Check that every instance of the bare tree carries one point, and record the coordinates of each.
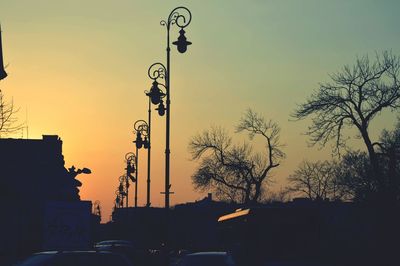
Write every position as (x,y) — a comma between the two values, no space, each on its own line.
(354,97)
(236,172)
(8,118)
(316,180)
(388,154)
(354,177)
(282,195)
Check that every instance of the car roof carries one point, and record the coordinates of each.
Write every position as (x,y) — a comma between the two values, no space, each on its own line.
(54,252)
(114,242)
(209,253)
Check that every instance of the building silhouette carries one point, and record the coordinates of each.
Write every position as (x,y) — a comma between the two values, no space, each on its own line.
(32,174)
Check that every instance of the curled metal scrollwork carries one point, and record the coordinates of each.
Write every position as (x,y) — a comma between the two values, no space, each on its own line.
(142,127)
(122,187)
(157,71)
(122,178)
(130,157)
(181,16)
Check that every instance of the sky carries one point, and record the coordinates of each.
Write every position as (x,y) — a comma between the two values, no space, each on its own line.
(78,69)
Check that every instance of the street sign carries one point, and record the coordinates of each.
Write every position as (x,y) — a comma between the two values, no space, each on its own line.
(67,225)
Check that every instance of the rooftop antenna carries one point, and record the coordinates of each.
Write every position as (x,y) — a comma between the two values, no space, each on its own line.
(26,121)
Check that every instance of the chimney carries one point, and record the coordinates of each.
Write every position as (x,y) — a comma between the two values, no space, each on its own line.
(209,196)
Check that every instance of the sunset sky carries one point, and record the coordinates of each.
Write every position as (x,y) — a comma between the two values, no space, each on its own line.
(78,69)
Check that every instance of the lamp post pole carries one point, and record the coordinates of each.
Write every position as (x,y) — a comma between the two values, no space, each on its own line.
(176,17)
(148,203)
(141,129)
(136,173)
(181,17)
(119,200)
(127,186)
(131,167)
(122,191)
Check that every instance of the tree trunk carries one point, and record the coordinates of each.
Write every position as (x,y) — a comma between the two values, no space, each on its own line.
(373,158)
(247,195)
(257,193)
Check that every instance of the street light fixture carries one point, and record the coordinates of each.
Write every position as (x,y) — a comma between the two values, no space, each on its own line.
(122,192)
(182,43)
(156,95)
(157,72)
(130,160)
(181,17)
(142,129)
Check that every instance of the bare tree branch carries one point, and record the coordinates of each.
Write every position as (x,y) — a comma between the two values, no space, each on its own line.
(316,180)
(354,97)
(232,170)
(7,117)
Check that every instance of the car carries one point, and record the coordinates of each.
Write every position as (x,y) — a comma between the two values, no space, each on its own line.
(216,258)
(122,246)
(128,248)
(293,263)
(76,258)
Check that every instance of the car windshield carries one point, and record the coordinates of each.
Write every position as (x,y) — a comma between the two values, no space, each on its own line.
(39,259)
(76,259)
(114,243)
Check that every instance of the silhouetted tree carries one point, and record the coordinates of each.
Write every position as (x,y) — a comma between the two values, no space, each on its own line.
(389,154)
(352,99)
(236,172)
(7,117)
(316,180)
(354,176)
(281,195)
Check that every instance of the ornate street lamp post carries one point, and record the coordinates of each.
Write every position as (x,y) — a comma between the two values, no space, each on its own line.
(130,160)
(142,141)
(156,71)
(181,17)
(121,192)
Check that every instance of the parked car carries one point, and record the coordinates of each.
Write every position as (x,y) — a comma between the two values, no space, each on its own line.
(294,263)
(115,245)
(207,259)
(76,258)
(126,247)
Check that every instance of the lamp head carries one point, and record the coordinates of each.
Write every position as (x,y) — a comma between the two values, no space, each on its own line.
(130,168)
(139,141)
(155,93)
(182,43)
(161,109)
(146,143)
